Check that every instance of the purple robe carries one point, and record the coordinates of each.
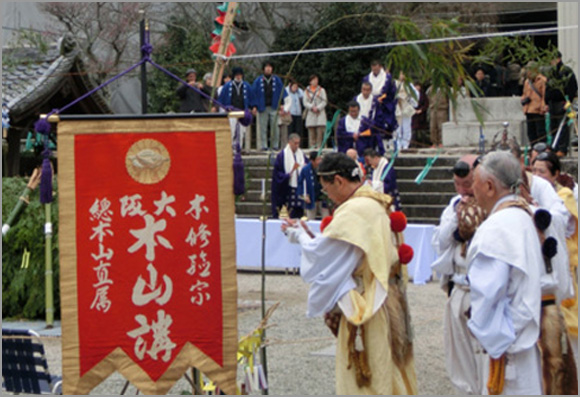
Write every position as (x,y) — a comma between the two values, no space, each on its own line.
(344,139)
(282,193)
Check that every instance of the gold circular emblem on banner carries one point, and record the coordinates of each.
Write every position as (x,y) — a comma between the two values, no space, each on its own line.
(147,161)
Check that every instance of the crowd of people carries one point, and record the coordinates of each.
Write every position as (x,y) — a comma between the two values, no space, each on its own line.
(419,111)
(507,247)
(507,243)
(281,111)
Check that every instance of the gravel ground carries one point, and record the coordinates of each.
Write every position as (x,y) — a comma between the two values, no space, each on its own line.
(300,361)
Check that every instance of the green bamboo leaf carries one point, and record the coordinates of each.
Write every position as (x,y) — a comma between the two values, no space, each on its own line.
(473,89)
(418,51)
(479,110)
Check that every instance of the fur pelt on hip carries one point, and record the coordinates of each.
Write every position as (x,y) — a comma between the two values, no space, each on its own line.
(400,325)
(558,363)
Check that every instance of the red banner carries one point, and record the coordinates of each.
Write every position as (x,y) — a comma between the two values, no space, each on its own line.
(148,248)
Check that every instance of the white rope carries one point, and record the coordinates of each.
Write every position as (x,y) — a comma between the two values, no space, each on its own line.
(403,43)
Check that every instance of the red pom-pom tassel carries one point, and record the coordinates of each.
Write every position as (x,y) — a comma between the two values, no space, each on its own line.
(398,221)
(324,223)
(405,254)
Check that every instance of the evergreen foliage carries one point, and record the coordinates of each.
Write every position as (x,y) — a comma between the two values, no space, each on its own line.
(23,289)
(179,51)
(340,72)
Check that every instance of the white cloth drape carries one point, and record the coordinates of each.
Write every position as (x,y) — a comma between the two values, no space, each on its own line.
(290,158)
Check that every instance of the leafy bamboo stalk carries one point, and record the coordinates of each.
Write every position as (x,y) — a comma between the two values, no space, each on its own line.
(23,201)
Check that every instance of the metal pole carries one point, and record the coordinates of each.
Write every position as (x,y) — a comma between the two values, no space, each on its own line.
(144,29)
(263,356)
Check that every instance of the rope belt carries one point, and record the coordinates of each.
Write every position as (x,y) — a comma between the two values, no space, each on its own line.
(548,299)
(496,380)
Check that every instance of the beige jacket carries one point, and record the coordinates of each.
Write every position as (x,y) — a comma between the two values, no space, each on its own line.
(537,104)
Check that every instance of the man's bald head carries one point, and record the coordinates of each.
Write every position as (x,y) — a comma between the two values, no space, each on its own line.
(463,175)
(352,153)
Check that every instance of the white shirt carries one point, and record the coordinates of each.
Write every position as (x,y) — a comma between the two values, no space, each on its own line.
(365,104)
(504,273)
(351,125)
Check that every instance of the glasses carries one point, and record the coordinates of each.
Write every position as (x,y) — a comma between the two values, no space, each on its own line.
(461,169)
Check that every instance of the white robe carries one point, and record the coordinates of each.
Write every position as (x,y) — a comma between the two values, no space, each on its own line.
(290,158)
(376,183)
(327,266)
(365,104)
(504,273)
(465,360)
(546,196)
(352,125)
(378,81)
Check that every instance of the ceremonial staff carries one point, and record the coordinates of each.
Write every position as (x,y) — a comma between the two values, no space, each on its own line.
(264,218)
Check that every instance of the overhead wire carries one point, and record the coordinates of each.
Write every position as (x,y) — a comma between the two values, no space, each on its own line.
(401,43)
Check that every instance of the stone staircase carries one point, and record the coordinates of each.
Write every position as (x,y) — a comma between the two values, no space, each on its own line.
(422,203)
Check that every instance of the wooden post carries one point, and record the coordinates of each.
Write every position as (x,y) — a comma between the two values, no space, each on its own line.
(220,63)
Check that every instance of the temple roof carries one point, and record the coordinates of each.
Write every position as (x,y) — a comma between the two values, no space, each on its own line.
(31,79)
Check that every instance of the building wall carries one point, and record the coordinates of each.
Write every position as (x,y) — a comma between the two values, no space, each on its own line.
(568,39)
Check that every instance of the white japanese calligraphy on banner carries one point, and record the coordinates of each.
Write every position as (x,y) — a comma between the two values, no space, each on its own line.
(157,290)
(147,245)
(199,265)
(101,213)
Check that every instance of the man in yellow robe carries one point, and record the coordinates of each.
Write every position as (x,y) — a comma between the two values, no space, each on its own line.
(354,272)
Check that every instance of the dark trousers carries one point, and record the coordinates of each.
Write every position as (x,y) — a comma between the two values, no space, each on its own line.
(536,128)
(297,125)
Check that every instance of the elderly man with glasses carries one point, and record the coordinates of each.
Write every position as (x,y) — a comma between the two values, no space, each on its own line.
(465,359)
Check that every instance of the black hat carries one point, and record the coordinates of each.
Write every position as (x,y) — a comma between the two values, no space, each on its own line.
(237,71)
(189,71)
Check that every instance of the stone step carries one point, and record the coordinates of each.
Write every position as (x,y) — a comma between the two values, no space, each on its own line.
(410,186)
(424,220)
(426,198)
(255,184)
(403,172)
(422,211)
(403,160)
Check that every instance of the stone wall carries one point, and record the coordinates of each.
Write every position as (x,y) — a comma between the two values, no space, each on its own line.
(463,129)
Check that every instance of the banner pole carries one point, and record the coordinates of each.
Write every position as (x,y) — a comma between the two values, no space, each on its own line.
(263,355)
(48,267)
